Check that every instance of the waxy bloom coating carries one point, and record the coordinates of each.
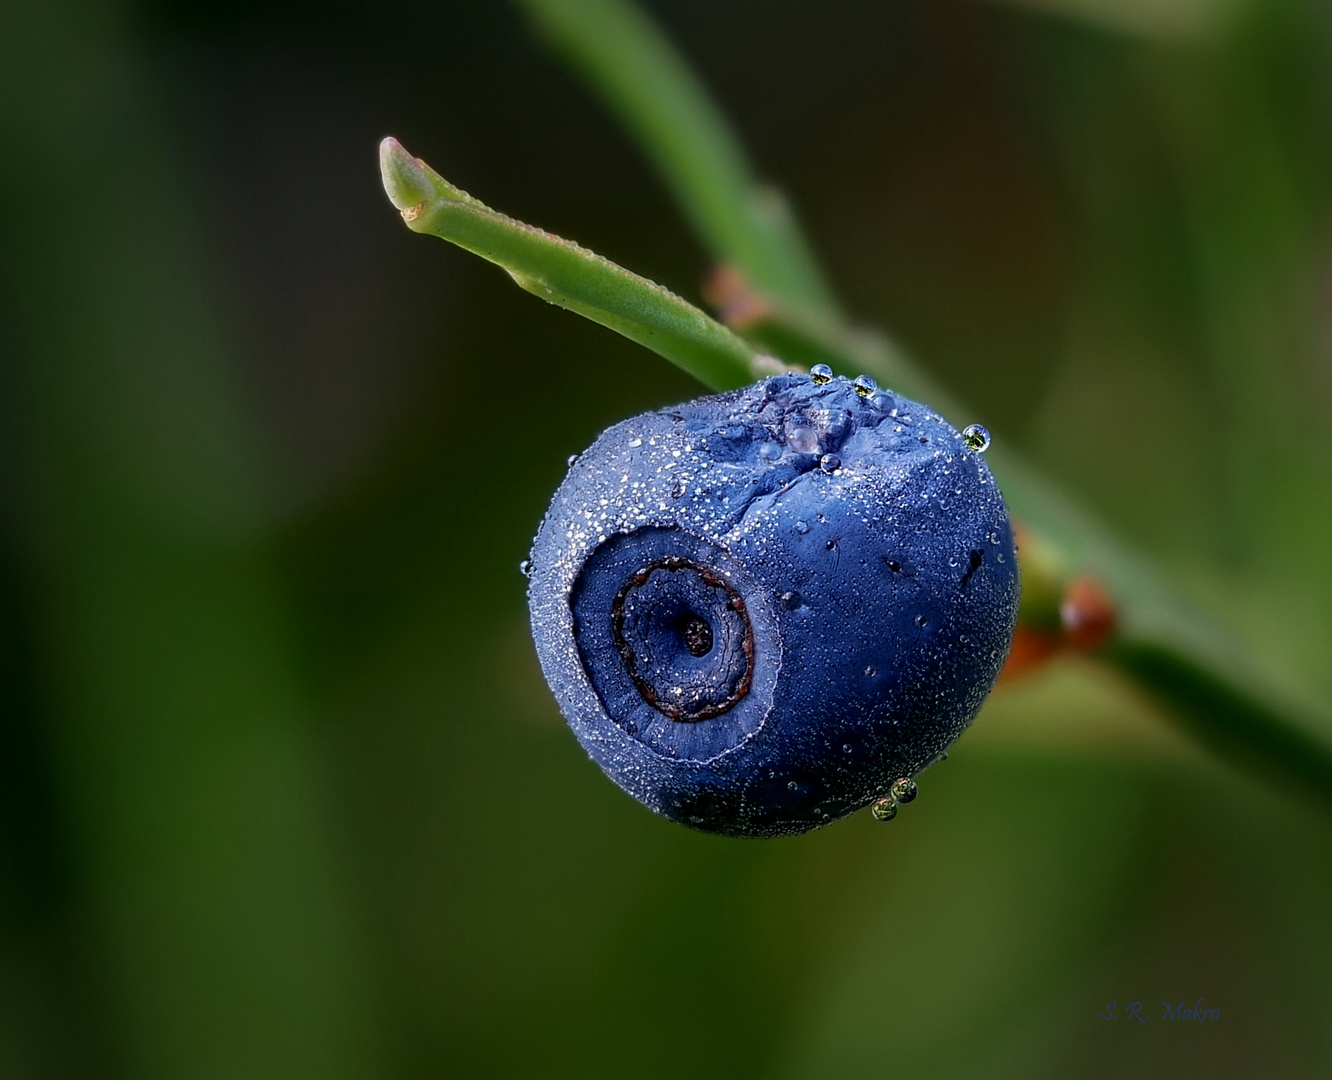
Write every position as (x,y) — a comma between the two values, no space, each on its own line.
(759,609)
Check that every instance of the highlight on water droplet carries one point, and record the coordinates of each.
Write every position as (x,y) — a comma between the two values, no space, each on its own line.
(904,790)
(830,463)
(525,568)
(820,373)
(572,459)
(803,440)
(865,386)
(976,438)
(884,809)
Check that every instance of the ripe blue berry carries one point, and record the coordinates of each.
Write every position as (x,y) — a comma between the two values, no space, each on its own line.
(763,610)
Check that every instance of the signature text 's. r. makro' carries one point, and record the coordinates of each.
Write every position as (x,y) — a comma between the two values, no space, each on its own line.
(1198,1013)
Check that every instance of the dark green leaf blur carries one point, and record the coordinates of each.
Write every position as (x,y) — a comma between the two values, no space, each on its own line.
(282,792)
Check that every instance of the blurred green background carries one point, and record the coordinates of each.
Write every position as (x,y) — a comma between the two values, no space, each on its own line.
(281,790)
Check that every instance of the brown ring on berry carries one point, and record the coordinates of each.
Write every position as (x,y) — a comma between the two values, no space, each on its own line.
(733,601)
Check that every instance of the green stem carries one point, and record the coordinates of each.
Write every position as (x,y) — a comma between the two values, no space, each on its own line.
(660,101)
(570,276)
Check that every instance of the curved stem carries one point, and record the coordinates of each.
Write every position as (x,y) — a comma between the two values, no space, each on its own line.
(569,276)
(660,101)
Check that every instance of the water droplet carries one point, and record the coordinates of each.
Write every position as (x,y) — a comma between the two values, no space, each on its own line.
(803,440)
(769,452)
(884,810)
(921,620)
(802,527)
(635,442)
(869,671)
(790,600)
(791,785)
(865,386)
(846,748)
(830,463)
(904,790)
(975,437)
(820,373)
(525,568)
(572,459)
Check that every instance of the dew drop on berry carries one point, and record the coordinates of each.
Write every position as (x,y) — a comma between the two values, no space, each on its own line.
(821,374)
(830,463)
(525,568)
(865,386)
(975,437)
(904,790)
(803,440)
(884,810)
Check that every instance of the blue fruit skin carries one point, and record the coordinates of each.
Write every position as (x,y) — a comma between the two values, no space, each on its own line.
(880,599)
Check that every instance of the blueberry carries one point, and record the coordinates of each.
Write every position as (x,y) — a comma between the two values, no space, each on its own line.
(752,642)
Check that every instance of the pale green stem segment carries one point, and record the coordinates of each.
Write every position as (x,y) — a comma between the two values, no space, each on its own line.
(570,276)
(662,104)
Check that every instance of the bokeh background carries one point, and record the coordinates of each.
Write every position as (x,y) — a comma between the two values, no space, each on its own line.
(281,790)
